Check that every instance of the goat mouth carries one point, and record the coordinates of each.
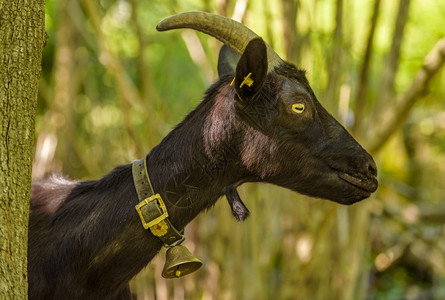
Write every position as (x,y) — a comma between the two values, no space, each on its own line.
(368,185)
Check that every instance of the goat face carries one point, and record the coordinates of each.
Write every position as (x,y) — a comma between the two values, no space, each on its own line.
(289,139)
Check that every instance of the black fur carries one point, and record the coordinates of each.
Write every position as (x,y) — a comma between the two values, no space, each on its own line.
(239,210)
(85,238)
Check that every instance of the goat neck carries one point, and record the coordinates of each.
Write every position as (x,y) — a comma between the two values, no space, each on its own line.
(192,167)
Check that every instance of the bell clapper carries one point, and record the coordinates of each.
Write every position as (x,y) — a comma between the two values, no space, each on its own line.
(178,273)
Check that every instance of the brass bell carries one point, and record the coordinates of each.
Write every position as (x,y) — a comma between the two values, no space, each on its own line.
(179,262)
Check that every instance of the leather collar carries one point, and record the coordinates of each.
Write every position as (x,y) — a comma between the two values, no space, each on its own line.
(151,207)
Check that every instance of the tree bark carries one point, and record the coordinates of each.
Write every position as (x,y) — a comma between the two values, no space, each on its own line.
(22,38)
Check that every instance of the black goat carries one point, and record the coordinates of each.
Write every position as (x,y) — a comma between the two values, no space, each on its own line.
(85,238)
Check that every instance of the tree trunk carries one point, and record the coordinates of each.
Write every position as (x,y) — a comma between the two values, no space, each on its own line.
(22,37)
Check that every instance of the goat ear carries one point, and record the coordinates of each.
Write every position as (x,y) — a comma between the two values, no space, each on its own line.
(251,70)
(239,210)
(227,61)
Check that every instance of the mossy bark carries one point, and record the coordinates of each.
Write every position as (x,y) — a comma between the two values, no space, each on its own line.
(22,38)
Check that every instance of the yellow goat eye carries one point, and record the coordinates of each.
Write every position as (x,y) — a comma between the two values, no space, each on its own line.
(298,108)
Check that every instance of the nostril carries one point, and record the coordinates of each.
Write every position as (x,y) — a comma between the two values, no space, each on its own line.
(372,168)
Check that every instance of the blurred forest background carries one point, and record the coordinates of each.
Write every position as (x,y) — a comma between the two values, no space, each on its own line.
(113,87)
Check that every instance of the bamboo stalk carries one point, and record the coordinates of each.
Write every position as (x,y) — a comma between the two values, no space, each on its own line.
(392,60)
(361,98)
(291,36)
(335,62)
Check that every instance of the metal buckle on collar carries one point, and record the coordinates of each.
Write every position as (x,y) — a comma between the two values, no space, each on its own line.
(147,223)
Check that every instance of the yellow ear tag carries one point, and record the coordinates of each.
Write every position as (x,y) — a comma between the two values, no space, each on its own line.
(233,81)
(247,81)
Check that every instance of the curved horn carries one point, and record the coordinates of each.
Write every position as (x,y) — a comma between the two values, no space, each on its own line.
(230,32)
